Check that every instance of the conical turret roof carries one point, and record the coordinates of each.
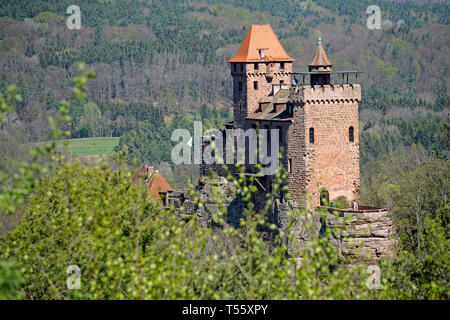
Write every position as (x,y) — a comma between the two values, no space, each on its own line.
(320,58)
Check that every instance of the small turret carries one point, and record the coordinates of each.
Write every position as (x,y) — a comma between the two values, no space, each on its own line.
(320,66)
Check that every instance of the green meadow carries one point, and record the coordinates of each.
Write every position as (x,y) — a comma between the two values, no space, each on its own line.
(89,146)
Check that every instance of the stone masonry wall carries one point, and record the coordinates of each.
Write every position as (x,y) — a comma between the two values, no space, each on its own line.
(245,101)
(266,75)
(296,153)
(332,161)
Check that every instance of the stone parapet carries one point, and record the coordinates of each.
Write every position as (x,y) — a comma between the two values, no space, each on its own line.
(326,93)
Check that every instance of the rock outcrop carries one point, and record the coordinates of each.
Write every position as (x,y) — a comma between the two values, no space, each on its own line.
(365,234)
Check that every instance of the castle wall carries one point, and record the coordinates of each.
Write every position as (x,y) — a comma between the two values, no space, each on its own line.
(296,153)
(239,97)
(332,161)
(266,75)
(246,101)
(331,111)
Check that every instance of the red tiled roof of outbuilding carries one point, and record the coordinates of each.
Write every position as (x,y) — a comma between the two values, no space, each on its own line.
(154,181)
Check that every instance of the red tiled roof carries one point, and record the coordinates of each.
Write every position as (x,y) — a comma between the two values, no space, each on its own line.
(154,181)
(261,37)
(320,58)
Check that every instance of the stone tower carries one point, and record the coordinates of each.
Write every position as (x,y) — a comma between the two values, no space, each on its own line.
(260,63)
(323,142)
(317,120)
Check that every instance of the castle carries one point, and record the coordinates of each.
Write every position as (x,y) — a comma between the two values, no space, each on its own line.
(317,120)
(317,125)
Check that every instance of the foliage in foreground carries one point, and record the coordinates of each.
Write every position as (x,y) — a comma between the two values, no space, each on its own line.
(127,246)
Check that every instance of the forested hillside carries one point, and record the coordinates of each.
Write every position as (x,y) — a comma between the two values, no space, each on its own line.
(152,66)
(161,61)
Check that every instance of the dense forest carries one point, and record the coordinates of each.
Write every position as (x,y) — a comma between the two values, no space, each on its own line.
(162,64)
(170,57)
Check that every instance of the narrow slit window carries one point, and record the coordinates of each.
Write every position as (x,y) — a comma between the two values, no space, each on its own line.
(290,165)
(311,135)
(240,85)
(351,134)
(282,65)
(256,66)
(255,85)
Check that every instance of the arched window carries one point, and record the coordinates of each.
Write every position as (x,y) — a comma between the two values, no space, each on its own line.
(311,135)
(351,134)
(324,198)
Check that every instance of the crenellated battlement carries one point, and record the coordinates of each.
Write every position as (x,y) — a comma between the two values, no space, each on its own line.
(326,93)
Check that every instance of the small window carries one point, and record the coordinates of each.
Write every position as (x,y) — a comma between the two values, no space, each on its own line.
(351,134)
(234,67)
(256,66)
(255,85)
(242,67)
(261,54)
(281,81)
(311,135)
(240,86)
(290,165)
(282,65)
